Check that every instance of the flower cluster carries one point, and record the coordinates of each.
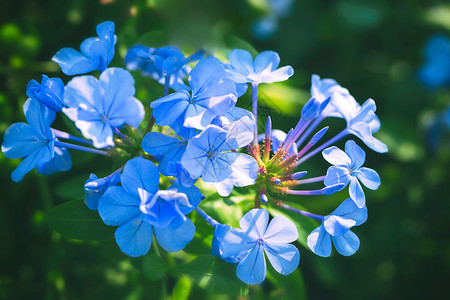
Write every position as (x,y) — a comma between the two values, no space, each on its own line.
(196,135)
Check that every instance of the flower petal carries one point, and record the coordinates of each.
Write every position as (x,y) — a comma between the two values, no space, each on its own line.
(356,192)
(355,153)
(134,237)
(266,60)
(369,178)
(254,223)
(336,225)
(73,62)
(346,244)
(117,207)
(140,173)
(348,209)
(319,241)
(336,174)
(173,240)
(280,230)
(252,269)
(241,61)
(284,258)
(337,157)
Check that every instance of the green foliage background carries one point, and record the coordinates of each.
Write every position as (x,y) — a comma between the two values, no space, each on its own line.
(373,48)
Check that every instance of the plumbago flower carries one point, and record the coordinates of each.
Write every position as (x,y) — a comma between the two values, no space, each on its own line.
(212,95)
(139,209)
(246,246)
(99,107)
(96,52)
(209,155)
(348,169)
(35,141)
(200,137)
(242,68)
(336,227)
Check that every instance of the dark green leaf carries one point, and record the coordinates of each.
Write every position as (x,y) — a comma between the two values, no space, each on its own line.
(74,220)
(291,286)
(214,275)
(154,267)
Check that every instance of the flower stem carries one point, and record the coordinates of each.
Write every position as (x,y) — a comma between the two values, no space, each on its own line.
(313,126)
(333,140)
(66,136)
(255,111)
(310,180)
(120,134)
(302,212)
(166,85)
(207,218)
(79,148)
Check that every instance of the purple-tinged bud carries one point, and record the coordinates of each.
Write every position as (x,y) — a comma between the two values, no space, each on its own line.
(332,189)
(318,136)
(314,140)
(264,198)
(268,129)
(313,108)
(298,175)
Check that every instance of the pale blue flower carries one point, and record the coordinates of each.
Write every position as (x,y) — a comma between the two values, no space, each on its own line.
(242,68)
(139,209)
(247,246)
(97,106)
(348,169)
(212,95)
(209,156)
(336,227)
(96,52)
(33,141)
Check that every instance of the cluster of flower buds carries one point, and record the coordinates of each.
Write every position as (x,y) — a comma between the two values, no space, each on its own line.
(197,135)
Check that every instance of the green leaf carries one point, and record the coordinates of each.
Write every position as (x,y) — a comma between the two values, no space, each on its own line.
(182,289)
(283,98)
(154,267)
(304,224)
(214,275)
(75,221)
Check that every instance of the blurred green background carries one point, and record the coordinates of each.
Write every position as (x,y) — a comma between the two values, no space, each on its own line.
(373,48)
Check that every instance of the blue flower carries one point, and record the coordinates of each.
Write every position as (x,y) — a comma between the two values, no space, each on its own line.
(242,68)
(336,227)
(209,156)
(364,123)
(212,95)
(35,141)
(95,187)
(49,92)
(161,62)
(436,71)
(248,245)
(169,148)
(96,52)
(139,208)
(97,106)
(348,169)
